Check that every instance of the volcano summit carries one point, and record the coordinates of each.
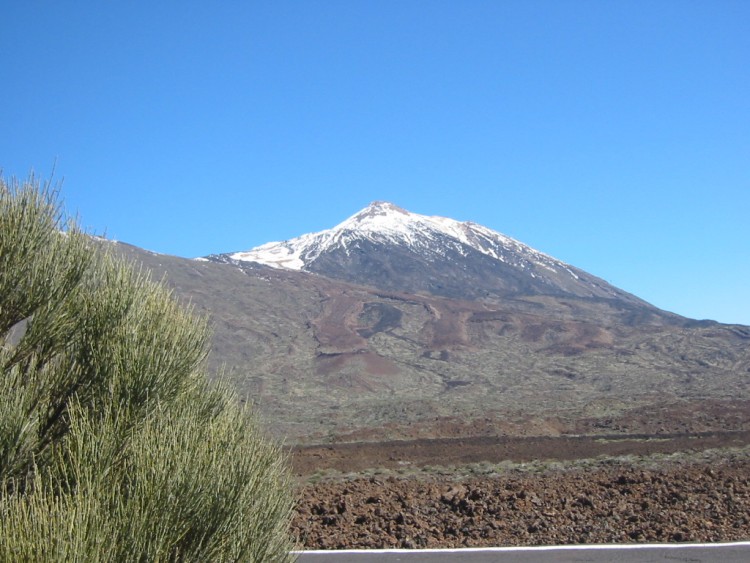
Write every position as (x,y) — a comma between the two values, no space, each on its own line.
(390,248)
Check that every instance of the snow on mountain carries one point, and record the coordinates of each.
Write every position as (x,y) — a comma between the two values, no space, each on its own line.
(385,223)
(387,247)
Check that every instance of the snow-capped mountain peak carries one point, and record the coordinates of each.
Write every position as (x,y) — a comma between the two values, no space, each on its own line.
(389,247)
(383,222)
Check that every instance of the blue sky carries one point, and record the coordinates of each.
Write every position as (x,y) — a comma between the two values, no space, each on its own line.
(612,135)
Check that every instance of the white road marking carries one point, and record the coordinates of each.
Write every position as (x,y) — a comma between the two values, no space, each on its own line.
(529,548)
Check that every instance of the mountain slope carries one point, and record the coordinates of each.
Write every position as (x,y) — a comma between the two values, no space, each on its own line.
(420,330)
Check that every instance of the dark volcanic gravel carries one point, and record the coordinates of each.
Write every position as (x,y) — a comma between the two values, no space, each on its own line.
(685,502)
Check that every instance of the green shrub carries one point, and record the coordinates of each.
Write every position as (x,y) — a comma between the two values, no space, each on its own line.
(113,445)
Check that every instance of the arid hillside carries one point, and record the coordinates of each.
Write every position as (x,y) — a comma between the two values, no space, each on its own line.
(330,361)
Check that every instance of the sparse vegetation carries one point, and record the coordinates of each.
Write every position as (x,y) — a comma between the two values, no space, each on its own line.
(426,473)
(113,445)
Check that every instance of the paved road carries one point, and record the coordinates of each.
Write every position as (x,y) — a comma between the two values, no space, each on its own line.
(693,553)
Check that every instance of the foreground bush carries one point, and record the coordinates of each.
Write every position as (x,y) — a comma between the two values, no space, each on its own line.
(113,445)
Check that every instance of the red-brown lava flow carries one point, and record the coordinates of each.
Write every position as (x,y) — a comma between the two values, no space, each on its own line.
(693,496)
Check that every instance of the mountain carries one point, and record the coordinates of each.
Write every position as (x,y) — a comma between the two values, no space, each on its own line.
(390,248)
(394,325)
